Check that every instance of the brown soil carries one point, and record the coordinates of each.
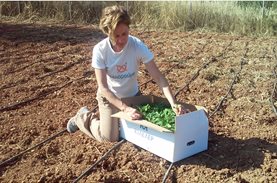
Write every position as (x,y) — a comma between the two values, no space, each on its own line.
(46,77)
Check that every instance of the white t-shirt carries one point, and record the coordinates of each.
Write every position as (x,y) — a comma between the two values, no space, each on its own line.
(122,67)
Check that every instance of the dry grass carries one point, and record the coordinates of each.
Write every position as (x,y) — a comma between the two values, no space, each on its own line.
(214,16)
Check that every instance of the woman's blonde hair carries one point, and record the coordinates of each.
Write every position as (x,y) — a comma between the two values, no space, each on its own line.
(111,17)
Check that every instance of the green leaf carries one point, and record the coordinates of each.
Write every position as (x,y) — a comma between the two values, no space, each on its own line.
(159,114)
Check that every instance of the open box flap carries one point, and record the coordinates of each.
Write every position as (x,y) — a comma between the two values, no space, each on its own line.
(143,99)
(198,107)
(122,115)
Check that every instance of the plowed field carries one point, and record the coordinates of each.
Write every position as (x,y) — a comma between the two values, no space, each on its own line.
(46,76)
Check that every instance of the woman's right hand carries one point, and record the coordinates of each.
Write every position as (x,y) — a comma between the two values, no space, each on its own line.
(133,113)
(179,109)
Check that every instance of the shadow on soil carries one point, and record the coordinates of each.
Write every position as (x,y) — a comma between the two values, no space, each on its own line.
(234,154)
(28,33)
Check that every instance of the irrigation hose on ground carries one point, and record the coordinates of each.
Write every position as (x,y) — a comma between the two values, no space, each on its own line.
(29,149)
(86,172)
(167,172)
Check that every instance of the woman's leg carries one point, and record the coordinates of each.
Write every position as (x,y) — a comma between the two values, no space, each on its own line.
(105,129)
(84,119)
(108,126)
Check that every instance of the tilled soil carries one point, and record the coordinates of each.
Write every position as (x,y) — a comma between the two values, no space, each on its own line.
(46,76)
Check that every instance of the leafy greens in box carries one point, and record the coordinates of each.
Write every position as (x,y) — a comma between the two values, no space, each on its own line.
(159,114)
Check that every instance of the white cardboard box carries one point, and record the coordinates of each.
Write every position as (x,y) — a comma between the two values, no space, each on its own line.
(190,136)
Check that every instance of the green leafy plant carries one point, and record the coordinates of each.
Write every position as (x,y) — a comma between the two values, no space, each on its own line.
(159,114)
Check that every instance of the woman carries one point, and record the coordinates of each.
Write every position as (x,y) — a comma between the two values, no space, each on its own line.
(116,62)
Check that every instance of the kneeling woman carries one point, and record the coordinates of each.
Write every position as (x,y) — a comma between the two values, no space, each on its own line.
(116,61)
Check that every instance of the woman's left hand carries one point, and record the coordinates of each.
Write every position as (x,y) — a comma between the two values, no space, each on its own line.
(179,109)
(133,113)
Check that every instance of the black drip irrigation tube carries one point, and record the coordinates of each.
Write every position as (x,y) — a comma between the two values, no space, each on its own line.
(210,60)
(272,98)
(273,94)
(228,92)
(86,172)
(39,144)
(167,172)
(231,85)
(2,164)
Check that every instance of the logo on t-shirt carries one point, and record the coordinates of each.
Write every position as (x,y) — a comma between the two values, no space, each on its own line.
(121,68)
(120,75)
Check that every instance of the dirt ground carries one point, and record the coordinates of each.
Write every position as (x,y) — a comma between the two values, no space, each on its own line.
(46,76)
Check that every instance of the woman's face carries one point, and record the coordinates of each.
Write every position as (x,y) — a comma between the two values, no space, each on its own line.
(120,37)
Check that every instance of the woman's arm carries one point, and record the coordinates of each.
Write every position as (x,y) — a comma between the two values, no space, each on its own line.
(161,81)
(163,84)
(101,77)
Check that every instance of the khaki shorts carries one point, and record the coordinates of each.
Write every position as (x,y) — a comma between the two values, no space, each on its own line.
(104,129)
